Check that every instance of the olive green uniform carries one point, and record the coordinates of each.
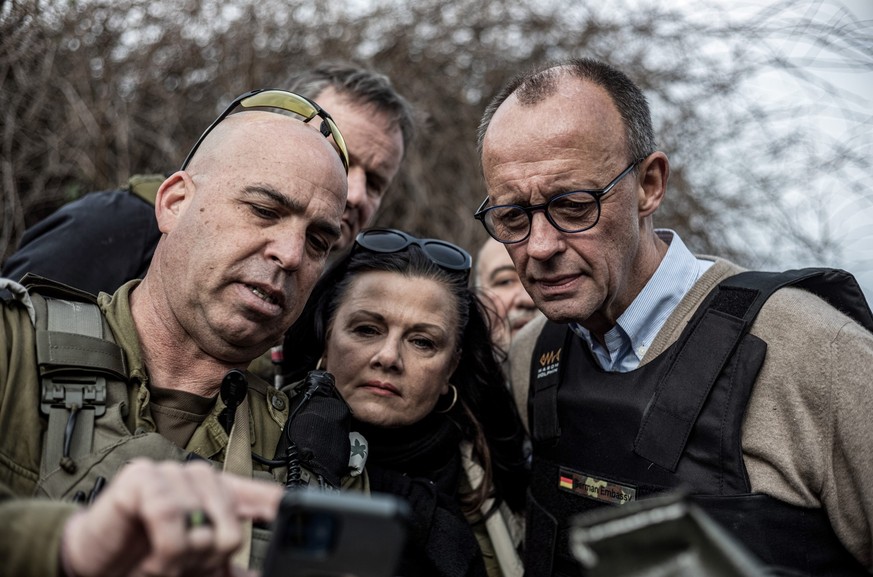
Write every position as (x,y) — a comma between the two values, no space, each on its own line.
(30,528)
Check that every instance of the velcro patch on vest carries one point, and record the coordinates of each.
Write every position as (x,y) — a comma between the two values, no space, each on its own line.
(549,363)
(585,485)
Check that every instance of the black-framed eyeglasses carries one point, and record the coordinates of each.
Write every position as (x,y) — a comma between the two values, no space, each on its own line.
(270,98)
(573,211)
(440,252)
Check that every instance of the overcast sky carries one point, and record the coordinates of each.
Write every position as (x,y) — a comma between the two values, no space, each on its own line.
(849,217)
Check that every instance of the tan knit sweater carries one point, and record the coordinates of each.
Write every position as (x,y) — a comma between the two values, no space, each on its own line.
(808,429)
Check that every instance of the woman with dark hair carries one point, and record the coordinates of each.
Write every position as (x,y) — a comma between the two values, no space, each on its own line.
(408,343)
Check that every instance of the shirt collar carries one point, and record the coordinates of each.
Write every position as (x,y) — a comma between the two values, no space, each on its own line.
(116,308)
(636,328)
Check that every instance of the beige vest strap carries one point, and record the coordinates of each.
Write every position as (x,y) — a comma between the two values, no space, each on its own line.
(239,462)
(496,524)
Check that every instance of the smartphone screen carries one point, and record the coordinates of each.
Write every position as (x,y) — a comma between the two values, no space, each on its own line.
(333,534)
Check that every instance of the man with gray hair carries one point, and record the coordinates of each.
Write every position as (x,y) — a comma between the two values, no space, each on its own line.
(378,125)
(508,305)
(660,370)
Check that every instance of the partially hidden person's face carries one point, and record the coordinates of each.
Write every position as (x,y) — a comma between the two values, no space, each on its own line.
(375,145)
(572,140)
(392,347)
(248,230)
(497,278)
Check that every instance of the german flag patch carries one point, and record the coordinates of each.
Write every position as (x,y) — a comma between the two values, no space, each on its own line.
(590,487)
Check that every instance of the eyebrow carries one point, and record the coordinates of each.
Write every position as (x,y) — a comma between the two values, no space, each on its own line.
(500,269)
(381,318)
(291,205)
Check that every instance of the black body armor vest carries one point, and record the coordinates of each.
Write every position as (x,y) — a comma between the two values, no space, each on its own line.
(605,438)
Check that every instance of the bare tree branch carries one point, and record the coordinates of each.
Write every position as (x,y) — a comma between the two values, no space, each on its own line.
(94,90)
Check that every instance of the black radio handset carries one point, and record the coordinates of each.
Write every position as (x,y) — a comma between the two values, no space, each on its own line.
(314,381)
(234,388)
(317,431)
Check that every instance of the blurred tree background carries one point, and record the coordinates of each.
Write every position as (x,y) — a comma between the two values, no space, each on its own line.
(770,146)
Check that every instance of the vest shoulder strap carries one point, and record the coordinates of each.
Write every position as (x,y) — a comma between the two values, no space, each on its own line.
(710,340)
(545,378)
(721,321)
(76,356)
(837,287)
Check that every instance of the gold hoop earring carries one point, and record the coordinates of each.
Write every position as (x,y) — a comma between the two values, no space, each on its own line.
(454,399)
(319,363)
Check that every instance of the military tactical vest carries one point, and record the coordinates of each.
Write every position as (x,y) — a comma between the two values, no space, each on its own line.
(604,438)
(86,398)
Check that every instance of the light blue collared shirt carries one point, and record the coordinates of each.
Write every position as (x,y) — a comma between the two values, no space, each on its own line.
(636,328)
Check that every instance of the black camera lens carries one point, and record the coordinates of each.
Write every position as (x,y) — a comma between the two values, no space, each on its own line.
(313,533)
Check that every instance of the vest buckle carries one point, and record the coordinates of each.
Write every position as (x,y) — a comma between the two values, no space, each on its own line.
(74,392)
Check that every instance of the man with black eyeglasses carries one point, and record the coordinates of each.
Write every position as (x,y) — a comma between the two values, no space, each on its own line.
(104,400)
(658,370)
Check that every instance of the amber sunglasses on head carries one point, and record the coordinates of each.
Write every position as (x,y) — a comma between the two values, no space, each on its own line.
(283,100)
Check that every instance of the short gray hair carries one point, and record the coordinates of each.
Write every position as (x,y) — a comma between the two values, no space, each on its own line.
(538,84)
(362,86)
